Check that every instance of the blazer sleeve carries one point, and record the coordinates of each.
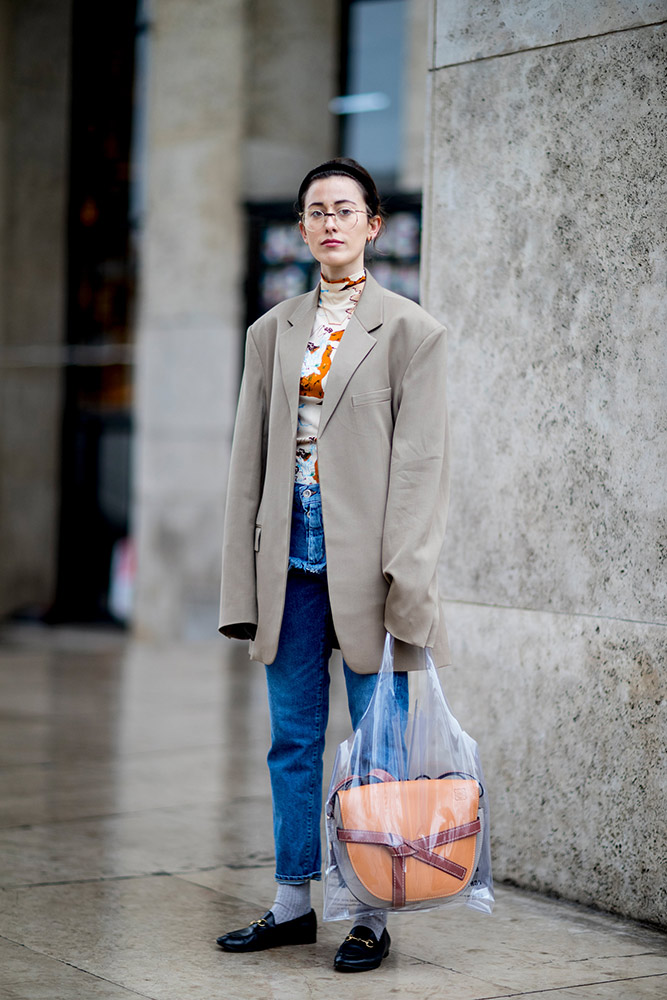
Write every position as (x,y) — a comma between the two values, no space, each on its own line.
(418,496)
(238,592)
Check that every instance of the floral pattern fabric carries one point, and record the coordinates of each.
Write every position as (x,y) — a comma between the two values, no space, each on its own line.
(337,302)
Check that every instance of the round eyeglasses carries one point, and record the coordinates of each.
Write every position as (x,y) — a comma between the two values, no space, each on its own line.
(345,218)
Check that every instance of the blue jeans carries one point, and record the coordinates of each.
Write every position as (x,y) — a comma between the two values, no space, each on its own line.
(298,686)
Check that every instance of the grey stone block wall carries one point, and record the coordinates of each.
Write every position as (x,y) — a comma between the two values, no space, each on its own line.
(544,253)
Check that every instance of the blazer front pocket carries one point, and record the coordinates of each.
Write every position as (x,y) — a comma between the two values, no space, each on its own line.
(374,396)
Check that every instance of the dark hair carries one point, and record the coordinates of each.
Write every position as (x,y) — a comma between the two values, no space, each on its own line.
(343,166)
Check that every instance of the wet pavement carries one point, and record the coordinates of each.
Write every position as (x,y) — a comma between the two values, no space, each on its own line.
(135,826)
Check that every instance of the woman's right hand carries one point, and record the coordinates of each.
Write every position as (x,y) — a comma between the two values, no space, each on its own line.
(240,630)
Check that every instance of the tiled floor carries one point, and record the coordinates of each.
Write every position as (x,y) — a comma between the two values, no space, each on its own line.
(135,827)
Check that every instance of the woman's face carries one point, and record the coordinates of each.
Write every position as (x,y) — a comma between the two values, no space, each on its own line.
(339,252)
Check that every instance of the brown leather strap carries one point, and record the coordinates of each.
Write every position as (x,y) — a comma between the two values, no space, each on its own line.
(376,773)
(421,848)
(450,835)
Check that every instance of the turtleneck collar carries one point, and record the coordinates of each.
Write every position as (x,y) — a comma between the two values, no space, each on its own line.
(344,286)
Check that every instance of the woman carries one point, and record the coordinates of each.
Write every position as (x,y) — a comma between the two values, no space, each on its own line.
(335,518)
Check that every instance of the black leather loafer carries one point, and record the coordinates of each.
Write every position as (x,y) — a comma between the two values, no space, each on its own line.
(361,950)
(266,933)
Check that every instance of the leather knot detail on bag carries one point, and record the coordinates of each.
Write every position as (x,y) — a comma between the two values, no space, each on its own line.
(381,846)
(421,849)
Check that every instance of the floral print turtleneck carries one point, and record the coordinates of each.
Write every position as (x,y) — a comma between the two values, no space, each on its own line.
(337,302)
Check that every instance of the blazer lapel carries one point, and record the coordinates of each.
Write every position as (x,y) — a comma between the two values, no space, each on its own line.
(292,343)
(355,344)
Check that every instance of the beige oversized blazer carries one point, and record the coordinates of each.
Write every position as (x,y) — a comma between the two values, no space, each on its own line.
(384,473)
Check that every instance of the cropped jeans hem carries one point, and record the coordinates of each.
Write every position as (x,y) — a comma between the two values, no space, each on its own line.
(296,879)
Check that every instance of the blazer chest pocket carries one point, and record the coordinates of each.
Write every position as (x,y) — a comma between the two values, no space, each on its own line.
(374,396)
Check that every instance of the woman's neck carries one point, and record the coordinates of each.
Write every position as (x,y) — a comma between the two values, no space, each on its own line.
(351,276)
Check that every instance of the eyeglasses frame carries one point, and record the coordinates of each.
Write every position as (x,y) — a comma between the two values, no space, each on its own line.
(357,211)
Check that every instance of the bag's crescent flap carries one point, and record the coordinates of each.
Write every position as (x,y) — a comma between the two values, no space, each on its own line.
(412,811)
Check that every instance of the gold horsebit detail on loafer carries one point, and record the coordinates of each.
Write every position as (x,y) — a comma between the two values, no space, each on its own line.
(259,923)
(366,941)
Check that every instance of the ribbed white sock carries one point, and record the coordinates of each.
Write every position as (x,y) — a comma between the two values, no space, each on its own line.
(375,922)
(292,901)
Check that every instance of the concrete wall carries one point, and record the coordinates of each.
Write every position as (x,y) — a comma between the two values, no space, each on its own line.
(544,254)
(34,136)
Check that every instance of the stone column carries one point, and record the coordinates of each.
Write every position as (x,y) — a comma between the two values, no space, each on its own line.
(544,254)
(190,322)
(34,137)
(291,75)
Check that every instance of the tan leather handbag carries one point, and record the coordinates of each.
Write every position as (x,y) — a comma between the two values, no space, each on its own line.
(404,842)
